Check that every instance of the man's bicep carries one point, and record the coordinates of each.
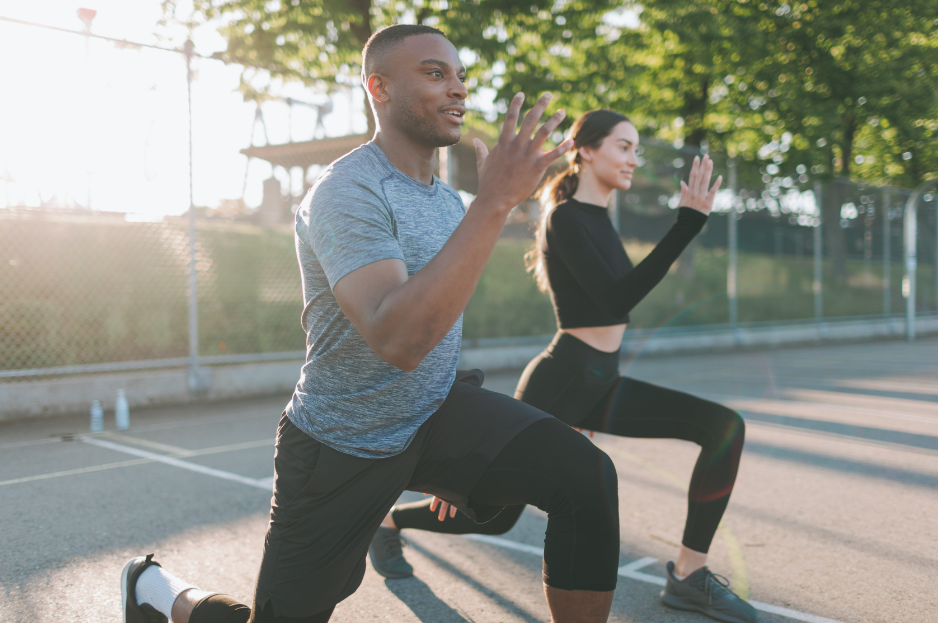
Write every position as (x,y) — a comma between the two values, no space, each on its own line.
(360,292)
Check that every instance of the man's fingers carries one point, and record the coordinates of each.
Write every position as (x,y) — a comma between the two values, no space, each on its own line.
(557,151)
(511,117)
(534,115)
(548,128)
(433,503)
(452,511)
(443,507)
(482,152)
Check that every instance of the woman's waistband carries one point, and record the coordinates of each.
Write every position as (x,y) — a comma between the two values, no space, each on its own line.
(578,353)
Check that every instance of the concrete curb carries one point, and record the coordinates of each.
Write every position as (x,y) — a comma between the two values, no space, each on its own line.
(168,386)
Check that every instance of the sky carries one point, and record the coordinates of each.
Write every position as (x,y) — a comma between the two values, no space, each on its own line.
(85,121)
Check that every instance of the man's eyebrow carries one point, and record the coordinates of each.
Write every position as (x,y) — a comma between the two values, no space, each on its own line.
(443,64)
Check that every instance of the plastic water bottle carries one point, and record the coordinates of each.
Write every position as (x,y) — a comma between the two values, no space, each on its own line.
(121,411)
(97,417)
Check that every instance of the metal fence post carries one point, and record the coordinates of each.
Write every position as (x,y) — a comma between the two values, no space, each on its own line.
(911,264)
(199,380)
(887,252)
(732,243)
(818,258)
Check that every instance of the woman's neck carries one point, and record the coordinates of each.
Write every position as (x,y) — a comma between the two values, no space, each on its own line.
(590,190)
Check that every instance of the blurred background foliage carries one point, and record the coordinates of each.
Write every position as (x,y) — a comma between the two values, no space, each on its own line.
(843,87)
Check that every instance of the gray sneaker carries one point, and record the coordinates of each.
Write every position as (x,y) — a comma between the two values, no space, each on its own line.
(705,592)
(387,556)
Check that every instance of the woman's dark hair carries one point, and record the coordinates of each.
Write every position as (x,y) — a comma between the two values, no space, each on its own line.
(587,131)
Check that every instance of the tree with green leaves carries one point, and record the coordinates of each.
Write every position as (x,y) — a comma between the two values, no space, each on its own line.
(319,42)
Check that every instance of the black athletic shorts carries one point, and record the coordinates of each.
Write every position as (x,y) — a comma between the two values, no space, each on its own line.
(327,505)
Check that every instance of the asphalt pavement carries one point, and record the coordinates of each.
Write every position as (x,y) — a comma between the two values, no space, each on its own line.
(833,517)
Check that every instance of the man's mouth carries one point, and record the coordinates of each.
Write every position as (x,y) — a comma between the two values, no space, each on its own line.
(457,112)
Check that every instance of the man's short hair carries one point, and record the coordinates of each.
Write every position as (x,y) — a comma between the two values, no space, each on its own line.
(380,44)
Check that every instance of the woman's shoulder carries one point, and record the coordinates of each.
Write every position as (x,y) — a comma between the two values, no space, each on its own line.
(568,211)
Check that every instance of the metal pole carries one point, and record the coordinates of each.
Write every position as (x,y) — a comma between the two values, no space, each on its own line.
(732,243)
(887,251)
(196,378)
(911,264)
(818,256)
(87,17)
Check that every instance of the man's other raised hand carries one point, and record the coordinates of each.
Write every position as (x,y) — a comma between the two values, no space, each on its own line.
(512,170)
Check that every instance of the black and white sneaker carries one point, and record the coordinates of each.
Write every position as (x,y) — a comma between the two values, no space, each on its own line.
(387,556)
(134,613)
(707,593)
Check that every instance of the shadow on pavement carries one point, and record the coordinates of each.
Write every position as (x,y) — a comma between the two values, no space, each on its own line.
(847,466)
(426,606)
(506,603)
(869,433)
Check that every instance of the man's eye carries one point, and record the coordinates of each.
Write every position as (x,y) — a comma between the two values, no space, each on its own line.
(462,78)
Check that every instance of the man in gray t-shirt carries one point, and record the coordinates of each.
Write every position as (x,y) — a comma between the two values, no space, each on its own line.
(363,210)
(389,260)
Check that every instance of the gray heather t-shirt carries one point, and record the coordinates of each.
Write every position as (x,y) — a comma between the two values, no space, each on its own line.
(361,210)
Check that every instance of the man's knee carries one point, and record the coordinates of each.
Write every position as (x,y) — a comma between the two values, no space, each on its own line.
(594,489)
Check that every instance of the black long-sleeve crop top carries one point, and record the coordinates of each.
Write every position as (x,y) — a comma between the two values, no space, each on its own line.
(592,281)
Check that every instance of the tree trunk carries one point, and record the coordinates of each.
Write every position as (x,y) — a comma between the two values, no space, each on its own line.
(834,199)
(831,202)
(694,109)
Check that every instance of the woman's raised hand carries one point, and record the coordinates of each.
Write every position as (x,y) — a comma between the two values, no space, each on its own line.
(696,192)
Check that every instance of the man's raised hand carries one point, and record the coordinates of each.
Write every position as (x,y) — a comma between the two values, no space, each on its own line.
(512,170)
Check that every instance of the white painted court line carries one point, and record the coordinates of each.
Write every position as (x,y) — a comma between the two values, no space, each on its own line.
(261,483)
(630,570)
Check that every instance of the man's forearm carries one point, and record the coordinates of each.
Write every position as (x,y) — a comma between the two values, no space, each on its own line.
(415,316)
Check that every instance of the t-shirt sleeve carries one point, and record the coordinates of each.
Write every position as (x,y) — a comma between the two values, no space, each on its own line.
(349,226)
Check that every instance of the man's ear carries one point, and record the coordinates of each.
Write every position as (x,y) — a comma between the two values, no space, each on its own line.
(377,88)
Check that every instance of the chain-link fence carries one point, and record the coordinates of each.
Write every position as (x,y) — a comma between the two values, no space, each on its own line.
(100,205)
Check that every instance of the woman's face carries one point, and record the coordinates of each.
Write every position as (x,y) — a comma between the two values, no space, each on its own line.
(614,161)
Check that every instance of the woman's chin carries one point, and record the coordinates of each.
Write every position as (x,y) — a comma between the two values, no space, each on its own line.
(625,184)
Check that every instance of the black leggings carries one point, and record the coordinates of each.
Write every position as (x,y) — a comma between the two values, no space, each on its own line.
(581,386)
(547,465)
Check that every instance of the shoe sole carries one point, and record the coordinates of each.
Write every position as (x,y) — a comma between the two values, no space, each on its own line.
(124,575)
(390,575)
(675,602)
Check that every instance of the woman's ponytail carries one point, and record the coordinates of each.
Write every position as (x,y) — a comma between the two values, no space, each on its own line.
(555,191)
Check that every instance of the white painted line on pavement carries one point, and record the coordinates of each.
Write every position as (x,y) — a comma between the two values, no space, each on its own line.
(261,483)
(632,572)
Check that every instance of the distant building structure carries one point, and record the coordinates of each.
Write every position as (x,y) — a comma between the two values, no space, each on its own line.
(459,169)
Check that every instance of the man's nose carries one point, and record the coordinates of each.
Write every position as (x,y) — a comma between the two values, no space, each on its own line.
(458,89)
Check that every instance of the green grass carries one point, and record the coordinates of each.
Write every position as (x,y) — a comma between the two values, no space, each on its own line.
(77,290)
(507,303)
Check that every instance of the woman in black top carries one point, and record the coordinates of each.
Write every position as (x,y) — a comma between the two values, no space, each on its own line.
(580,261)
